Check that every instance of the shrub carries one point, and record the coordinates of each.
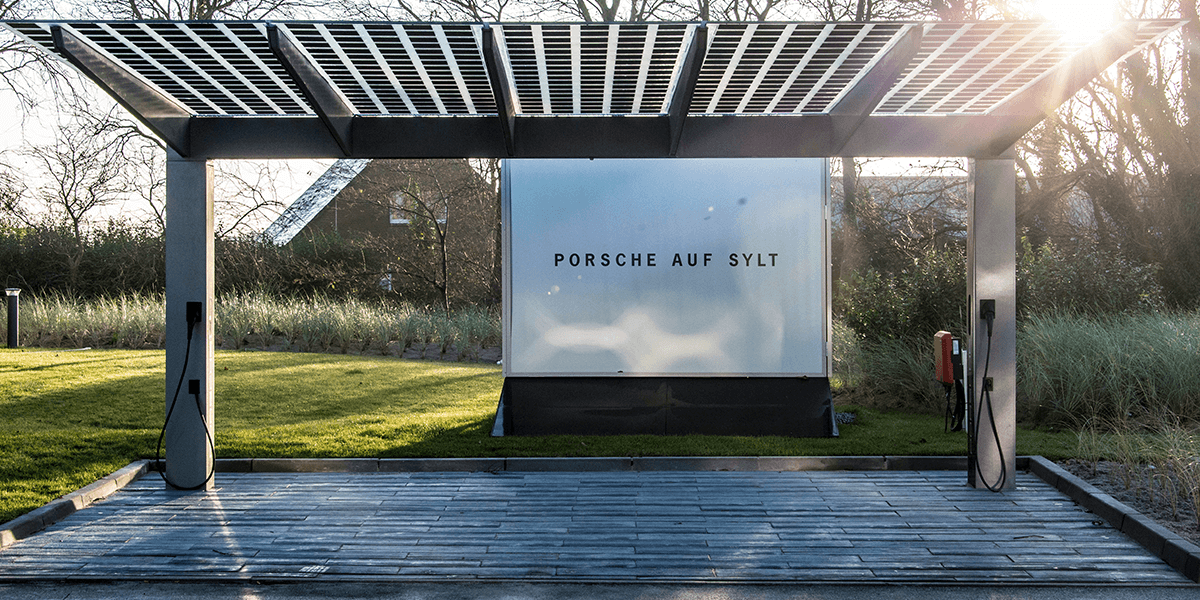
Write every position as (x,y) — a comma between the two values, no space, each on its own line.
(118,258)
(925,297)
(1082,278)
(121,258)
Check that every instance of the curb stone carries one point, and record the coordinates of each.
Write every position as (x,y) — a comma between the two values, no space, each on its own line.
(1182,555)
(41,518)
(598,463)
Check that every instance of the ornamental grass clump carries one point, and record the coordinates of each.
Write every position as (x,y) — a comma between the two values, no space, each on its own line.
(261,320)
(60,321)
(1073,370)
(1158,463)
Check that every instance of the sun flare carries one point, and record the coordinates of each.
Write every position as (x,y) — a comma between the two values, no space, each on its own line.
(1080,20)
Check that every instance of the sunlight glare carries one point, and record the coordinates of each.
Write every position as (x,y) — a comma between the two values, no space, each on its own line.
(1080,20)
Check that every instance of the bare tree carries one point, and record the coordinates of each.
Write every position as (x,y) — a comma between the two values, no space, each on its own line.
(448,238)
(185,10)
(434,10)
(28,72)
(489,172)
(13,212)
(246,195)
(149,179)
(1130,144)
(83,170)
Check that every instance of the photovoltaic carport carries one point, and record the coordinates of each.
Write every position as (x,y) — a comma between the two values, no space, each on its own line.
(247,90)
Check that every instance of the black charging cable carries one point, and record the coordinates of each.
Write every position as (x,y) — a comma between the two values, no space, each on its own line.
(192,321)
(946,418)
(985,398)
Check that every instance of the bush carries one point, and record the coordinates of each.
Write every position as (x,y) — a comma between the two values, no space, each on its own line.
(927,296)
(326,265)
(118,258)
(1084,279)
(929,293)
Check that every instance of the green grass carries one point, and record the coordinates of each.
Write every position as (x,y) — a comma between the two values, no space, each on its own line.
(70,417)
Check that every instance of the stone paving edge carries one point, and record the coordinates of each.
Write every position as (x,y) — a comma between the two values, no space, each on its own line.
(599,463)
(1182,555)
(53,512)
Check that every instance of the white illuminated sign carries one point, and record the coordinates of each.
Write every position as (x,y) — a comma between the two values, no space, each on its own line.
(687,267)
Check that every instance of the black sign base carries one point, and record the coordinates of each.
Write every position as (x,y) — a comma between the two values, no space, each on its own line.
(793,407)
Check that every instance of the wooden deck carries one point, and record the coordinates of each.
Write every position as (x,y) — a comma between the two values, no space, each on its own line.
(861,527)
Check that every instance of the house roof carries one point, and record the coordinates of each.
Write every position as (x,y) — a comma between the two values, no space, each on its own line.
(418,89)
(310,203)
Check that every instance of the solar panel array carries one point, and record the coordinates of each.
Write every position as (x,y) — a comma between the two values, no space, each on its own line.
(227,68)
(969,68)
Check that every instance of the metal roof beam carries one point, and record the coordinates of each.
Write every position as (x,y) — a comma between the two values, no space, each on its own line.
(934,135)
(707,136)
(502,88)
(333,111)
(756,136)
(685,85)
(168,119)
(858,102)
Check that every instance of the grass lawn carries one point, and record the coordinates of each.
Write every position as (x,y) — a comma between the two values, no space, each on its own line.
(68,418)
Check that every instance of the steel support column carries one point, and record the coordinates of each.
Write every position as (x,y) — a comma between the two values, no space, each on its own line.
(991,275)
(189,273)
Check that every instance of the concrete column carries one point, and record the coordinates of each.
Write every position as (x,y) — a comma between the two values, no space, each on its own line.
(992,275)
(189,270)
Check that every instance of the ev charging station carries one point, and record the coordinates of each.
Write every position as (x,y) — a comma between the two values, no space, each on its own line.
(672,90)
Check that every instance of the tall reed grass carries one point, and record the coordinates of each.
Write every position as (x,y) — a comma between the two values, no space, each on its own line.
(1079,371)
(125,321)
(1072,371)
(890,374)
(261,320)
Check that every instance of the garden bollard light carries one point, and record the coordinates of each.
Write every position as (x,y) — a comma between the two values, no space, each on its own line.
(12,315)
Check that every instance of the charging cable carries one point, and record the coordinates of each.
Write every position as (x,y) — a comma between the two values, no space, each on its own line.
(194,315)
(987,311)
(946,418)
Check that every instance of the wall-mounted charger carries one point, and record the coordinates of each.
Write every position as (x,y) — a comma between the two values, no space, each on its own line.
(987,312)
(195,313)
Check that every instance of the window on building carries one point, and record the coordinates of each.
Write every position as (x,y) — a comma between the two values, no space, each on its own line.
(405,207)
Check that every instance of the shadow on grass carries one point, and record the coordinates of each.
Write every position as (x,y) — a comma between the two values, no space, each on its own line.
(15,368)
(38,467)
(131,402)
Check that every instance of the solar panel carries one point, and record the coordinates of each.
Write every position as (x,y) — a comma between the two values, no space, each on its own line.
(418,69)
